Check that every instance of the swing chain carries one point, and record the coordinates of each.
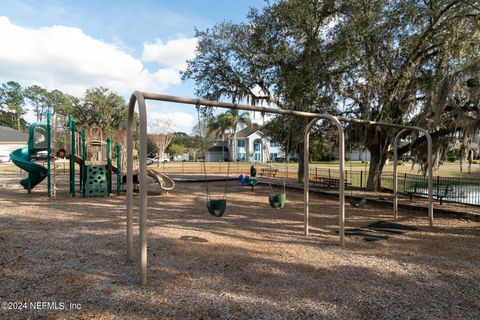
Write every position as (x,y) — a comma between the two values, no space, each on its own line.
(226,182)
(207,193)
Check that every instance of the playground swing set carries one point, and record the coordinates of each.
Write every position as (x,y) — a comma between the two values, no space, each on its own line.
(138,99)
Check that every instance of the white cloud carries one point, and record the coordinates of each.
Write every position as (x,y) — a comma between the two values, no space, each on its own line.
(173,53)
(67,59)
(179,121)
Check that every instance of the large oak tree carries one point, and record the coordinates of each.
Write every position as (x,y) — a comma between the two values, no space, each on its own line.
(404,62)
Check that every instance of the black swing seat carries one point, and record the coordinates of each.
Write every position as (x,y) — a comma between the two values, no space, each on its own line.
(217,207)
(277,201)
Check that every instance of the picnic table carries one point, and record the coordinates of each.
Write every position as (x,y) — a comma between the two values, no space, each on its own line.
(268,172)
(328,182)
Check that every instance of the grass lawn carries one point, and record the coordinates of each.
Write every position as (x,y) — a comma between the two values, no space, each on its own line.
(447,169)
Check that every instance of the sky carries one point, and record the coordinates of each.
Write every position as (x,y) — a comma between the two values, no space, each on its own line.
(122,45)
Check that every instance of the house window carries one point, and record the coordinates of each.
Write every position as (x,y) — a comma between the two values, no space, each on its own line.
(241,143)
(273,144)
(273,156)
(242,156)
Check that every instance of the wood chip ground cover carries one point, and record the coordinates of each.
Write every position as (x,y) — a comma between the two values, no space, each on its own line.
(254,263)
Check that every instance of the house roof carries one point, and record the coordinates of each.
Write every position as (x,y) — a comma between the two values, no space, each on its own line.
(458,145)
(11,135)
(248,131)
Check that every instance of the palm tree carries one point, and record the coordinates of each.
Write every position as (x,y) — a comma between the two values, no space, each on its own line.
(236,118)
(218,126)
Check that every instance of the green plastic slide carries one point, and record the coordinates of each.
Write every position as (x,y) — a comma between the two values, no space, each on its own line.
(36,173)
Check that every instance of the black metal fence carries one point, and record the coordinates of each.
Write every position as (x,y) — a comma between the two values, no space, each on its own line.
(452,189)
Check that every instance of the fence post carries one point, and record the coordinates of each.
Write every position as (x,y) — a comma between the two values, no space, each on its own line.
(361,179)
(329,177)
(287,171)
(182,168)
(404,183)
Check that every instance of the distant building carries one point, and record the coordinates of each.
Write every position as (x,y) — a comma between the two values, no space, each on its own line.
(11,139)
(215,154)
(252,145)
(358,155)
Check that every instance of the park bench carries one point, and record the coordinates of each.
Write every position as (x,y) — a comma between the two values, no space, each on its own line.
(327,182)
(440,191)
(268,172)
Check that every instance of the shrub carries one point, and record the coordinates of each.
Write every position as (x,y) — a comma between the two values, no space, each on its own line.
(452,155)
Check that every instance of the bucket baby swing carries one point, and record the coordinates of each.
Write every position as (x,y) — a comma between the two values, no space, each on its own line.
(277,200)
(216,207)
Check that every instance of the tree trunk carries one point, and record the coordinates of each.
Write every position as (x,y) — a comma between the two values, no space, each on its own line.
(470,160)
(377,144)
(301,162)
(461,160)
(223,147)
(377,162)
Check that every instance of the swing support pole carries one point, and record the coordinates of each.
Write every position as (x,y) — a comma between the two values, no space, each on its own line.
(341,168)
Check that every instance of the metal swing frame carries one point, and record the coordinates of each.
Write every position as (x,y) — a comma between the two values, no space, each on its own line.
(138,98)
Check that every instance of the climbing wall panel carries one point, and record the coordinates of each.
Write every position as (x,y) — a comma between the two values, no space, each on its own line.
(96,181)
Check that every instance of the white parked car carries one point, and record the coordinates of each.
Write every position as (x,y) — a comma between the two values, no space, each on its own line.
(156,160)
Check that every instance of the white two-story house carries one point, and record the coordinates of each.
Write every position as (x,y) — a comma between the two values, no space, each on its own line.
(250,145)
